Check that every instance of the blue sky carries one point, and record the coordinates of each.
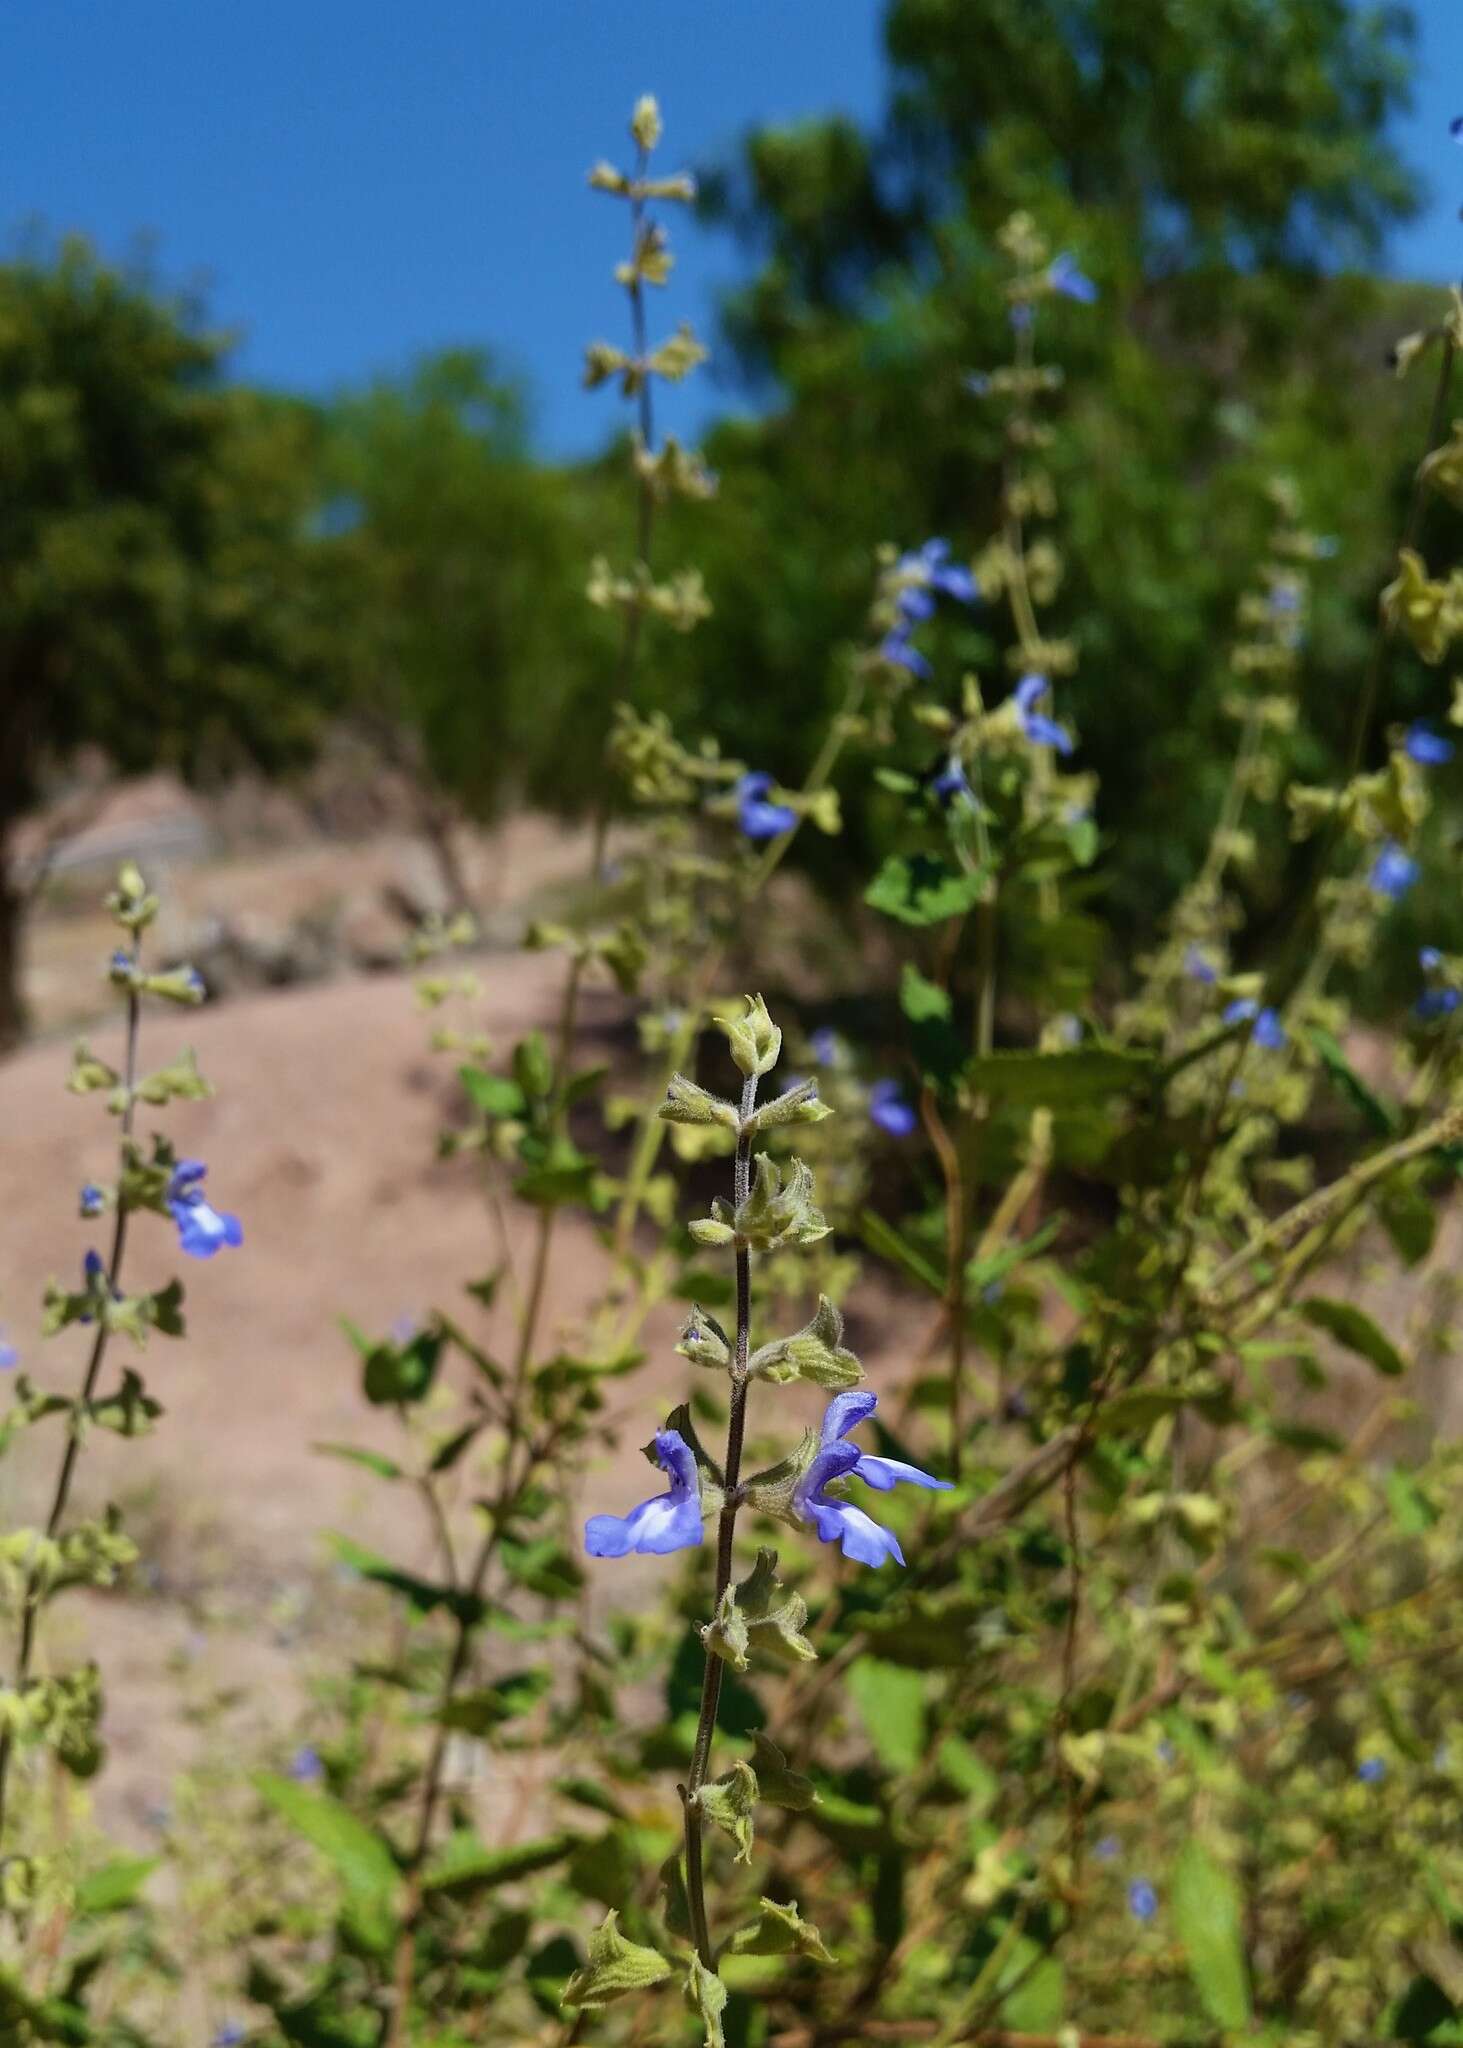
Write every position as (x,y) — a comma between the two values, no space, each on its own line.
(356,181)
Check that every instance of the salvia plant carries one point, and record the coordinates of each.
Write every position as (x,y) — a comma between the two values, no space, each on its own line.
(1092,1679)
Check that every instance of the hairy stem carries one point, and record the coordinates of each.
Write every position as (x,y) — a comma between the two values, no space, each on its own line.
(31,1597)
(725,1534)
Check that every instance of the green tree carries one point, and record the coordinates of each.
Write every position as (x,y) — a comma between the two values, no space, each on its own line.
(1225,174)
(464,631)
(156,601)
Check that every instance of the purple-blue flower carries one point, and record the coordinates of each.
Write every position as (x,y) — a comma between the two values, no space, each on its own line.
(306,1767)
(9,1356)
(977,383)
(824,1046)
(1268,1032)
(1285,598)
(1429,959)
(839,1521)
(895,648)
(1142,1899)
(1393,871)
(229,2035)
(889,1110)
(1072,283)
(1198,967)
(93,1199)
(671,1521)
(758,818)
(1022,315)
(932,565)
(121,962)
(1038,728)
(1371,1770)
(1108,1849)
(1436,1002)
(202,1230)
(1428,748)
(951,782)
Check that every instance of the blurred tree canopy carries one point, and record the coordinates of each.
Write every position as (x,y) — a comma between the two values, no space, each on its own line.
(467,650)
(155,599)
(1222,171)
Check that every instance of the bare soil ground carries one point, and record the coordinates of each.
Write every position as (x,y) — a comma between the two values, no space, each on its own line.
(321,1136)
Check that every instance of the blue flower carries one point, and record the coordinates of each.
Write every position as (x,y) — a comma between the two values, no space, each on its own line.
(1429,959)
(1022,316)
(758,818)
(889,1110)
(1393,871)
(229,2035)
(977,383)
(845,1412)
(1072,283)
(1268,1032)
(824,1046)
(9,1356)
(839,1521)
(1285,598)
(306,1767)
(93,1199)
(671,1521)
(1142,1899)
(1371,1770)
(1428,748)
(202,1231)
(1108,1849)
(932,565)
(951,782)
(1455,128)
(1198,967)
(195,981)
(1038,728)
(896,650)
(1436,1002)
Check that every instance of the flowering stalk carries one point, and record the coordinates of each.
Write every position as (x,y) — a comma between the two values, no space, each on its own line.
(64,1710)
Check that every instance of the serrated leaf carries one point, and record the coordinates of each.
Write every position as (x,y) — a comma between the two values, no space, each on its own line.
(706,1995)
(614,1967)
(777,1783)
(1354,1329)
(780,1930)
(1207,1918)
(729,1801)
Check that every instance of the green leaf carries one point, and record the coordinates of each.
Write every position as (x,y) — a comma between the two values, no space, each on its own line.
(494,1094)
(422,1594)
(1384,1117)
(780,1930)
(1207,1918)
(115,1884)
(1058,1080)
(706,1995)
(615,1966)
(479,1712)
(924,890)
(922,1001)
(891,1703)
(465,1865)
(728,1801)
(362,1861)
(1355,1330)
(372,1461)
(777,1783)
(880,1238)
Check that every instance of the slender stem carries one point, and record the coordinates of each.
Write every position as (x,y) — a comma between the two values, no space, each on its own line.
(725,1534)
(31,1597)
